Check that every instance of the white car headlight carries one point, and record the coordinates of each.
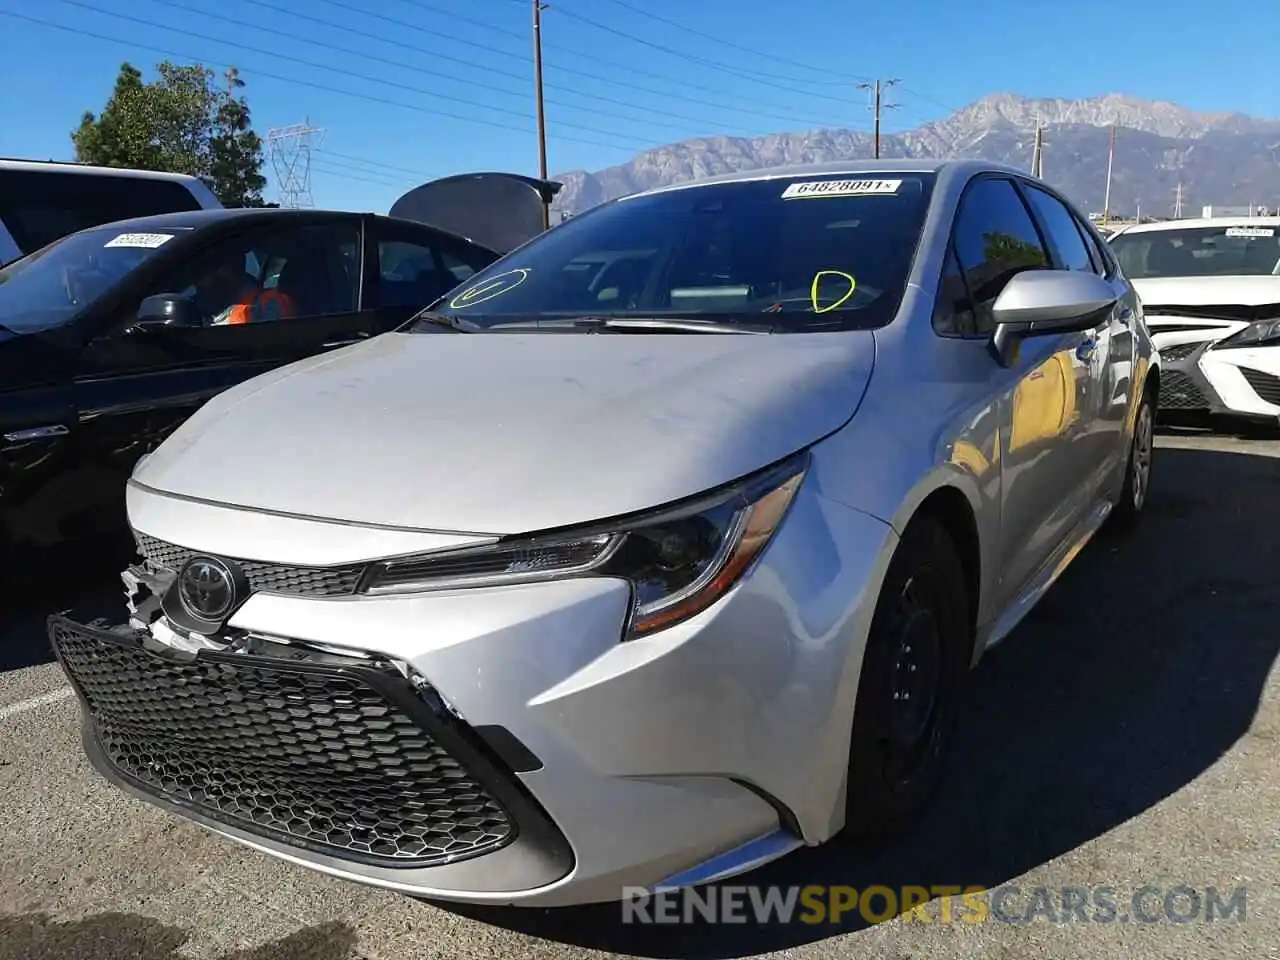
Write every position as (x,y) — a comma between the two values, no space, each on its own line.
(1258,334)
(678,560)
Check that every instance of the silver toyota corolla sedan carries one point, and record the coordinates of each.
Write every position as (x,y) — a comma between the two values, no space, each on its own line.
(658,549)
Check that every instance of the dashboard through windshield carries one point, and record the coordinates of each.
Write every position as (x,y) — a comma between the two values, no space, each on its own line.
(803,253)
(47,288)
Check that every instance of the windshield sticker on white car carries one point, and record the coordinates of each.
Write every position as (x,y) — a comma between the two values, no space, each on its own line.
(1251,231)
(845,282)
(840,188)
(147,241)
(488,289)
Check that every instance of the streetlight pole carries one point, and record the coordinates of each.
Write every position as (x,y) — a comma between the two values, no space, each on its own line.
(538,7)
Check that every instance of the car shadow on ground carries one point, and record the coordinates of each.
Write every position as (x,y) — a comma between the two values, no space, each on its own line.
(125,936)
(1139,670)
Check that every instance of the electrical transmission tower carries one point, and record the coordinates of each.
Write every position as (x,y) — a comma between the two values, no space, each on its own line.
(290,151)
(878,105)
(1177,203)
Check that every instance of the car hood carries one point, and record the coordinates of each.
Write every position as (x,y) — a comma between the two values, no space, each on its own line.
(1208,291)
(510,433)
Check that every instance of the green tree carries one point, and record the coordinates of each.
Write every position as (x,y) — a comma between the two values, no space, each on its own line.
(181,122)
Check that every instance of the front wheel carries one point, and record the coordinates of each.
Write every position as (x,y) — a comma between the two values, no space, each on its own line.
(912,673)
(1137,476)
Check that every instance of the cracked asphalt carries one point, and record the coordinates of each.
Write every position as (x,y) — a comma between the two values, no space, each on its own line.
(1125,737)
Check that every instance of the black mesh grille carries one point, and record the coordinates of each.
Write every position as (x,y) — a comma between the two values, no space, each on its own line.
(265,577)
(1264,384)
(1179,351)
(1179,392)
(324,757)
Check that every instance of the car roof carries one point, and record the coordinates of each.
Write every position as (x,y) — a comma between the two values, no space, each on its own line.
(1200,222)
(942,168)
(72,168)
(193,220)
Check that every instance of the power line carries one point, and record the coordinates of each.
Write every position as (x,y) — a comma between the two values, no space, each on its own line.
(754,109)
(329,68)
(756,76)
(370,98)
(436,55)
(649,15)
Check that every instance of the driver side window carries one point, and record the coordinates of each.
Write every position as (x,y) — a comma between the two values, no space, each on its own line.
(264,276)
(994,237)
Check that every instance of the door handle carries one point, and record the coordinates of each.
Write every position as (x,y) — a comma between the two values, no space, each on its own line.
(37,433)
(1086,349)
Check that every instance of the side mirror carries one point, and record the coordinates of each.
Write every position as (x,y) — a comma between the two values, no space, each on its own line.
(1038,303)
(166,310)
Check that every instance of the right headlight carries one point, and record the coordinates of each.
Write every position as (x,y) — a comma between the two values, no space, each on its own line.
(1261,333)
(678,560)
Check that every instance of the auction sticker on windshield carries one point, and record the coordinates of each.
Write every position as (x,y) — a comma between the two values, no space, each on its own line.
(1250,231)
(840,188)
(146,241)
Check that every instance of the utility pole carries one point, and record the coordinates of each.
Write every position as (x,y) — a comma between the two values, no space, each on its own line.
(290,151)
(538,7)
(1037,154)
(1111,156)
(1177,203)
(878,105)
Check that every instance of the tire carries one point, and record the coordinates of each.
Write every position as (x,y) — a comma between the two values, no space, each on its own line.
(919,645)
(1137,473)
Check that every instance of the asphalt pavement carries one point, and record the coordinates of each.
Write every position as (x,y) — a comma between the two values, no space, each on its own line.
(1125,737)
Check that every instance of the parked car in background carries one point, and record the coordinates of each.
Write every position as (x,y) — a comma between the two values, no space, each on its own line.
(660,548)
(111,336)
(41,201)
(1211,293)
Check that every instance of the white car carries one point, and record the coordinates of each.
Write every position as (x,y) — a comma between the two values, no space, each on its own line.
(1211,295)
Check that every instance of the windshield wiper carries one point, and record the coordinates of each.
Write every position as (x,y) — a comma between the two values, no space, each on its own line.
(634,324)
(456,324)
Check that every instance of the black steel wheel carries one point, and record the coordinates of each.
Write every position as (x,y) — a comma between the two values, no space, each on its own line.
(916,659)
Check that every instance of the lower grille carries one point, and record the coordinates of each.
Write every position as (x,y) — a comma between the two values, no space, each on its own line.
(1179,351)
(266,577)
(326,753)
(1264,385)
(1179,392)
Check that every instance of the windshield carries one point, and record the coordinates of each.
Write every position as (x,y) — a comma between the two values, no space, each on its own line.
(49,287)
(810,253)
(1199,252)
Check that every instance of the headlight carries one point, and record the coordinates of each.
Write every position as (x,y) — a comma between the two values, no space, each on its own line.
(679,560)
(1257,334)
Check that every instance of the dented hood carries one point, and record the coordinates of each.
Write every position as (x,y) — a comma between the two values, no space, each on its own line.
(512,433)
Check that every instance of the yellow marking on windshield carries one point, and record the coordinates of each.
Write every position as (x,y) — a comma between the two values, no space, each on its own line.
(817,282)
(493,287)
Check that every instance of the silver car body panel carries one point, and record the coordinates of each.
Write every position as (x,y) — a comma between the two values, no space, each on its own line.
(707,747)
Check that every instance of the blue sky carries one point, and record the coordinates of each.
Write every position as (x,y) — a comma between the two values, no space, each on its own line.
(409,90)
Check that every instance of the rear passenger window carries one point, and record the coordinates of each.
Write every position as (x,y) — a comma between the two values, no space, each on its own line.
(38,207)
(1064,234)
(994,238)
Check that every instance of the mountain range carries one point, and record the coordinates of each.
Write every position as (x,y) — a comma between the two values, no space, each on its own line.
(1217,158)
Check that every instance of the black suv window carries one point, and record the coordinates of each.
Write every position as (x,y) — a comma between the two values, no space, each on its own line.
(38,207)
(994,238)
(1063,231)
(416,271)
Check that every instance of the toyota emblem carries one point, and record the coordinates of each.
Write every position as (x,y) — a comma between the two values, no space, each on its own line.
(207,588)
